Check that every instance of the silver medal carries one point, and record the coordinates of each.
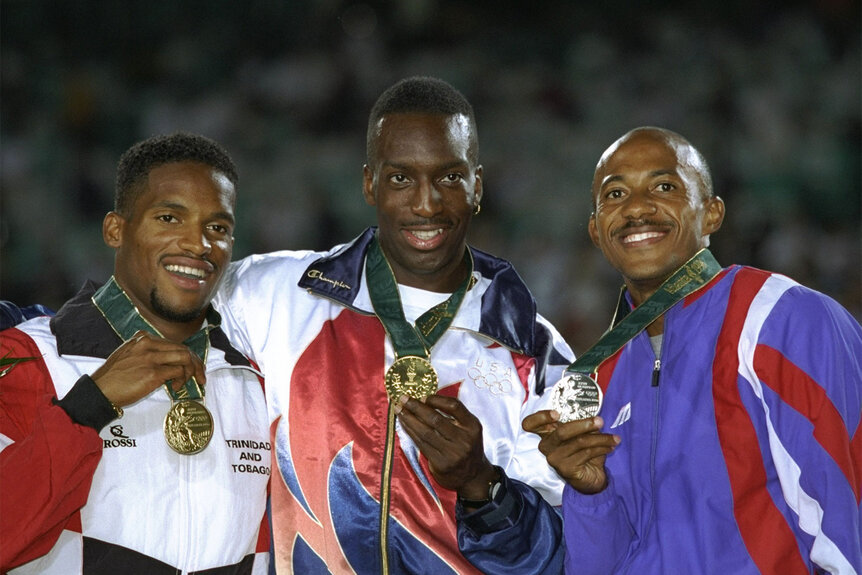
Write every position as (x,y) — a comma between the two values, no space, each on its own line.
(576,396)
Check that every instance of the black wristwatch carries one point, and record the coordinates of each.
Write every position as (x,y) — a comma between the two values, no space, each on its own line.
(493,488)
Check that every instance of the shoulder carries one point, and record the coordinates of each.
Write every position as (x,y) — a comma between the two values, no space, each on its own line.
(263,272)
(28,333)
(782,298)
(785,314)
(22,349)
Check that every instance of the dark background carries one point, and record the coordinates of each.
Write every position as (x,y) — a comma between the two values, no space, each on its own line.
(768,91)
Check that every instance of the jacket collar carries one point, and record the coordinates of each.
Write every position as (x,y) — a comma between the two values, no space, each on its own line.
(508,310)
(81,329)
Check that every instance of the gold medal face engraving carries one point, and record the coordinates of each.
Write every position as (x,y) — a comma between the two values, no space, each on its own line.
(188,427)
(412,376)
(576,396)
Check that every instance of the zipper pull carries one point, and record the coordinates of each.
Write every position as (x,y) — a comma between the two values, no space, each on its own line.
(655,372)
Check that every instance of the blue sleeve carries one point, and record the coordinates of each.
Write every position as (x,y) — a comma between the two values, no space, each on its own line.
(11,314)
(517,532)
(809,364)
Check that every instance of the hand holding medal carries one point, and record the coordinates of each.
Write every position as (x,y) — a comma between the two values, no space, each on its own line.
(146,361)
(574,444)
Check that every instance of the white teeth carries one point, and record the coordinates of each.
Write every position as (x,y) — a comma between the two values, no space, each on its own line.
(427,235)
(185,270)
(640,237)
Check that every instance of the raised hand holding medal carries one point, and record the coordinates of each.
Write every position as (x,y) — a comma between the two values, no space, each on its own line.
(188,425)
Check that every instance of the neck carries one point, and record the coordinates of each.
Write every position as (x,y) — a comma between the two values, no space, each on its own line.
(640,291)
(442,280)
(174,331)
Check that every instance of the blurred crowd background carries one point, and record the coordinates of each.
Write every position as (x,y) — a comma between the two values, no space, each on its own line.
(768,91)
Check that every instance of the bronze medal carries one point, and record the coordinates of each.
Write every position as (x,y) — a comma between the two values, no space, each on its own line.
(412,376)
(188,427)
(576,396)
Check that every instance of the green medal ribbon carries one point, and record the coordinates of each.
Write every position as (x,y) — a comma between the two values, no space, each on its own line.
(430,326)
(693,275)
(126,320)
(411,373)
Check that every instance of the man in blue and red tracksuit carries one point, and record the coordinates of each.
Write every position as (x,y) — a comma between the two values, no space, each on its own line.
(732,436)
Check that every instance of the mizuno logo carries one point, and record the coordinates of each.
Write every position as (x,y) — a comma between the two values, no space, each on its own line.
(624,415)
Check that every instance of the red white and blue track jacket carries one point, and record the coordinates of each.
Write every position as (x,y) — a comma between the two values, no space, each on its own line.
(84,493)
(741,446)
(307,320)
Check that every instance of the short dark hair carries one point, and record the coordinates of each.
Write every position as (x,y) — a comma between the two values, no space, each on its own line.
(420,95)
(136,163)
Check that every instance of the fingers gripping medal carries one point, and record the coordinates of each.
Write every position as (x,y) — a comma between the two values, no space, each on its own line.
(576,396)
(412,376)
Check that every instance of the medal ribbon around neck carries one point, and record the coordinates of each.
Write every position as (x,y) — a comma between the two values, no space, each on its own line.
(577,395)
(122,315)
(411,344)
(411,373)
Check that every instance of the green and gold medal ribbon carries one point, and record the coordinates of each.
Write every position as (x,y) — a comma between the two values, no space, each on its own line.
(188,426)
(691,276)
(579,396)
(411,373)
(125,319)
(430,326)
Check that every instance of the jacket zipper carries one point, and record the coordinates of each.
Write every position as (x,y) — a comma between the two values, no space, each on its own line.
(656,371)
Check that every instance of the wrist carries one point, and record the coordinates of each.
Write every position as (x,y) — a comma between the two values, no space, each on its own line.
(482,491)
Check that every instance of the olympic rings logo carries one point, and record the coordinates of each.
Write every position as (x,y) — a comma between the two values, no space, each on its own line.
(497,379)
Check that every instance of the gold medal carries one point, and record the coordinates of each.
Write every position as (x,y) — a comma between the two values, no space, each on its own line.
(412,376)
(188,427)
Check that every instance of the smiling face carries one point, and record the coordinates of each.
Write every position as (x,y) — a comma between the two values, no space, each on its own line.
(174,245)
(652,211)
(425,189)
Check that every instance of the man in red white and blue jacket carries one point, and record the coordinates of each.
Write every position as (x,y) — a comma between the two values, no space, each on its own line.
(452,484)
(732,439)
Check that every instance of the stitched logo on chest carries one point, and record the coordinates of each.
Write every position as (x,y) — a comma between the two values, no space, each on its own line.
(624,415)
(120,438)
(494,376)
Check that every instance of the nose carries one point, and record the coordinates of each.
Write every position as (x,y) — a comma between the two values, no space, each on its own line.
(427,200)
(194,240)
(639,203)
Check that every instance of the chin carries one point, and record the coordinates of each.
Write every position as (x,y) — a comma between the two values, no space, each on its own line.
(174,313)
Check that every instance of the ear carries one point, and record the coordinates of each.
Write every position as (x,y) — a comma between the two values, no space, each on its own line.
(478,188)
(112,229)
(714,215)
(594,232)
(368,186)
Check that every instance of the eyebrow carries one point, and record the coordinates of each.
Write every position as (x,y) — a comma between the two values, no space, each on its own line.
(182,208)
(653,174)
(447,166)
